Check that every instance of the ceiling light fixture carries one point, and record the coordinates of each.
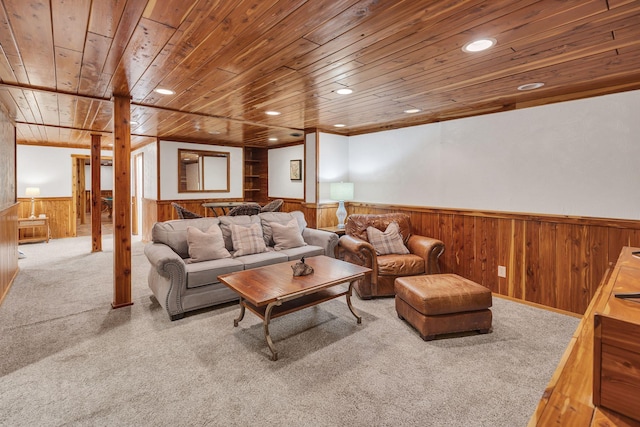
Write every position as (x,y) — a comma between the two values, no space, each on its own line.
(412,110)
(339,125)
(530,86)
(272,113)
(479,45)
(273,139)
(344,91)
(162,91)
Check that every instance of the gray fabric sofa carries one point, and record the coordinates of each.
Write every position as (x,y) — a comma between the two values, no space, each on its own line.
(180,285)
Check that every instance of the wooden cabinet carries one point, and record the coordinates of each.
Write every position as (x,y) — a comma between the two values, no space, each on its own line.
(33,230)
(255,175)
(616,358)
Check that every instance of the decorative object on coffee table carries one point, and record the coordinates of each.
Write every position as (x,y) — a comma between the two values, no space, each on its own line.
(301,269)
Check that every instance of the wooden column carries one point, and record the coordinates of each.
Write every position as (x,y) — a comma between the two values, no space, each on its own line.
(96,199)
(121,202)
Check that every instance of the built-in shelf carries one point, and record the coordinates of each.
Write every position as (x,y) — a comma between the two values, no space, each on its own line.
(255,174)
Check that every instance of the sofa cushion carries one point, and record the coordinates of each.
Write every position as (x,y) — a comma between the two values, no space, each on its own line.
(400,265)
(207,272)
(262,259)
(174,233)
(303,251)
(287,236)
(247,240)
(206,245)
(388,241)
(227,221)
(267,218)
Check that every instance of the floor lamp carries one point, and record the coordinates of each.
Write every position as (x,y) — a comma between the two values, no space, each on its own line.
(32,192)
(341,191)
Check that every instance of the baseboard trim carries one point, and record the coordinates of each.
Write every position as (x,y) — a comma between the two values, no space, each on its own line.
(544,307)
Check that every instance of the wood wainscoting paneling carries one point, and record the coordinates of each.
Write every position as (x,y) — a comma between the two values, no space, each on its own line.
(8,248)
(59,210)
(556,261)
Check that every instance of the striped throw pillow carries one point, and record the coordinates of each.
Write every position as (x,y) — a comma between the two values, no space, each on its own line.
(387,242)
(247,240)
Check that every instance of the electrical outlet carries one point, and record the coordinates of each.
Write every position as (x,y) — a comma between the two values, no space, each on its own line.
(502,271)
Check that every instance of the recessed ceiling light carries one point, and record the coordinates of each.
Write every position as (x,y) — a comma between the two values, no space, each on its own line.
(272,113)
(344,91)
(530,86)
(339,125)
(162,91)
(412,110)
(479,45)
(273,139)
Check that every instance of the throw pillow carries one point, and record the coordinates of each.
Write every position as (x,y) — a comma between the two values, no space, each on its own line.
(247,240)
(206,245)
(287,236)
(387,242)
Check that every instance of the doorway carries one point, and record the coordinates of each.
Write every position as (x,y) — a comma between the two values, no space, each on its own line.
(82,195)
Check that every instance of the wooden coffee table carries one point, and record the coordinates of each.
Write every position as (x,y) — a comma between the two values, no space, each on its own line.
(273,291)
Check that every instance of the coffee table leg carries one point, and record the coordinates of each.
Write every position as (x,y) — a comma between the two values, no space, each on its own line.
(241,316)
(348,296)
(267,318)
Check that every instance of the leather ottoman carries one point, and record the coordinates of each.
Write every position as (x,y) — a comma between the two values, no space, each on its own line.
(443,303)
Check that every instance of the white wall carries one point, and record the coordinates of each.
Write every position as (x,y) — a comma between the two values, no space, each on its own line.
(333,163)
(168,152)
(572,158)
(106,177)
(49,168)
(310,167)
(150,170)
(280,183)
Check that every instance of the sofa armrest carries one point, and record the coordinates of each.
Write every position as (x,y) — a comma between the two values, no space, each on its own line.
(322,238)
(167,278)
(164,259)
(429,249)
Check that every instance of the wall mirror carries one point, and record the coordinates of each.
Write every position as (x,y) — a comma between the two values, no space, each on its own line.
(201,170)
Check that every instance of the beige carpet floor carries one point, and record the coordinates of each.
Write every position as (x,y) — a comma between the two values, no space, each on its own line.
(68,359)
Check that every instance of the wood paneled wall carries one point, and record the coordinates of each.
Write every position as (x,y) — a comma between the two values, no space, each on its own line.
(58,209)
(557,261)
(8,248)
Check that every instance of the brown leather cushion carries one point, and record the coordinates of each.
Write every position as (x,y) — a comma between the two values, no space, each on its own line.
(357,224)
(400,265)
(436,294)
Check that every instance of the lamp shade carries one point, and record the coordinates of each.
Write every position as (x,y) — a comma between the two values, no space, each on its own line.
(341,190)
(32,191)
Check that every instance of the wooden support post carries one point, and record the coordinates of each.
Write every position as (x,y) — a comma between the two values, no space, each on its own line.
(96,199)
(121,202)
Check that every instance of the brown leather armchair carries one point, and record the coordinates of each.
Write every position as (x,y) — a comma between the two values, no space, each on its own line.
(354,247)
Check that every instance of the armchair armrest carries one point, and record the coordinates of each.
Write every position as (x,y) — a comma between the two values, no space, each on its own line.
(358,250)
(322,238)
(428,249)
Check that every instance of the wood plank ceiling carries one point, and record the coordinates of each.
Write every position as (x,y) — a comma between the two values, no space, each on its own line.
(228,62)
